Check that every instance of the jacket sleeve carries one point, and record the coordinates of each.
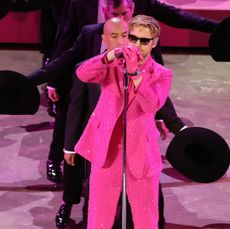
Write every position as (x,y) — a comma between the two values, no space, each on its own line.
(93,70)
(179,18)
(56,69)
(152,94)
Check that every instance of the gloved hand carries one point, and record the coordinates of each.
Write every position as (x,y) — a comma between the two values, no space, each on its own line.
(132,57)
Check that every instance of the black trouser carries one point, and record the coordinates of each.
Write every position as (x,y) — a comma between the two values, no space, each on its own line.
(73,181)
(56,153)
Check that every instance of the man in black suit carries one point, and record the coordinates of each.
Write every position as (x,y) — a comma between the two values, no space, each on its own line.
(54,14)
(53,18)
(74,15)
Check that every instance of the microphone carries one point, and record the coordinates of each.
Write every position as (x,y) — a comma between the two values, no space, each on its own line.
(118,52)
(119,55)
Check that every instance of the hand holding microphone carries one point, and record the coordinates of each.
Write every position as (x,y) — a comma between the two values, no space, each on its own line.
(131,55)
(117,52)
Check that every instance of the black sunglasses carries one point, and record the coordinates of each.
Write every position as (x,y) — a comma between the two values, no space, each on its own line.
(143,40)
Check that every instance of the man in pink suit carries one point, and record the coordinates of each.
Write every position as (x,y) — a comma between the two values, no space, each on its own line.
(149,85)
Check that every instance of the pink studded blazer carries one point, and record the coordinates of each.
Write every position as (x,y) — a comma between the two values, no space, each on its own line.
(143,155)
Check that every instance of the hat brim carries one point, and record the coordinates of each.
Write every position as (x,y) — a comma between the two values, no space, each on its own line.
(18,94)
(219,41)
(4,8)
(199,154)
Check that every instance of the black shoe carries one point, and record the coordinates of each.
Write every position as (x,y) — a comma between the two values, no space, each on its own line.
(63,216)
(53,172)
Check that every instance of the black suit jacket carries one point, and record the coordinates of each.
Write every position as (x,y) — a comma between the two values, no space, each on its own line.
(83,97)
(77,14)
(50,21)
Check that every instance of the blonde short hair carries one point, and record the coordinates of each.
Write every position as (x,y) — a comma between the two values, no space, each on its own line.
(145,21)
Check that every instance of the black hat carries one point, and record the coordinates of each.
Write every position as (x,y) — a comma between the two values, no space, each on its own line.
(199,154)
(18,95)
(4,7)
(219,41)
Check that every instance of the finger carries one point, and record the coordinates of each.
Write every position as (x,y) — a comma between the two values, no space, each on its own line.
(125,53)
(163,136)
(67,160)
(53,99)
(130,56)
(56,97)
(73,160)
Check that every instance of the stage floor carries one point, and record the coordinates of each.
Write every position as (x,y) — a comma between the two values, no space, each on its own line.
(200,92)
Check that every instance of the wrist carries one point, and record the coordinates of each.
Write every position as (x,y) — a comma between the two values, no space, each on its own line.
(108,57)
(105,59)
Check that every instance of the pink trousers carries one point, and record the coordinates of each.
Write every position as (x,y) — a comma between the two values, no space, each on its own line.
(105,190)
